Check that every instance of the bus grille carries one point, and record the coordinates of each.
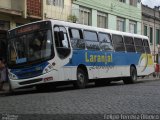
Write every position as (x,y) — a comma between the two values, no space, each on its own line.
(30,81)
(29,74)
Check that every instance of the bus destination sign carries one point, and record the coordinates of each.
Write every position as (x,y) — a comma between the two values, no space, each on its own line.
(28,28)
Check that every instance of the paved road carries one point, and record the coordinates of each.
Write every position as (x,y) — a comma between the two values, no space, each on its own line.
(140,98)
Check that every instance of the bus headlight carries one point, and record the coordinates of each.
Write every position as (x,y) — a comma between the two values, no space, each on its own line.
(12,76)
(48,69)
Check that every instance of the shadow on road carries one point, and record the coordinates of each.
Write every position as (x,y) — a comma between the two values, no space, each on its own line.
(68,88)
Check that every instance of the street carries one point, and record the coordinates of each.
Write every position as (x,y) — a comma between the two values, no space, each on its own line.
(116,98)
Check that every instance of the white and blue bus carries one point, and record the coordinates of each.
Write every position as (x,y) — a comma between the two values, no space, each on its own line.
(51,51)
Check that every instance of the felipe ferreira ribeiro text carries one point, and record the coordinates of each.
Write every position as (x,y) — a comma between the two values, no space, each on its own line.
(131,117)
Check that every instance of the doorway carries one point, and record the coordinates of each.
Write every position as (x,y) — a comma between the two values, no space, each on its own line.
(3,44)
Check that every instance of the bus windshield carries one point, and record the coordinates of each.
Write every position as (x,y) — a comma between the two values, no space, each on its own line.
(30,47)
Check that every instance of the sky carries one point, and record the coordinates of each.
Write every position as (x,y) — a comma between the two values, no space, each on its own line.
(151,3)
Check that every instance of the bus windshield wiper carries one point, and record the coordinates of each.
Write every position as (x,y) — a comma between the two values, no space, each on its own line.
(15,50)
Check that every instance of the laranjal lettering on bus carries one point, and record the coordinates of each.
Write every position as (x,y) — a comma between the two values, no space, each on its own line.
(98,58)
(28,29)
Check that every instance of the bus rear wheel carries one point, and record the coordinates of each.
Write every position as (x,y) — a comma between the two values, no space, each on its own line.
(133,76)
(82,79)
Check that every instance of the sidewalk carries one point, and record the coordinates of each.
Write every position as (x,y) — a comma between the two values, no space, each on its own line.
(5,88)
(150,77)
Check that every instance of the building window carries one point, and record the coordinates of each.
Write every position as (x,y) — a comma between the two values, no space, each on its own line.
(4,25)
(145,30)
(120,24)
(132,27)
(18,24)
(139,1)
(59,3)
(124,1)
(84,16)
(133,3)
(101,20)
(151,35)
(157,36)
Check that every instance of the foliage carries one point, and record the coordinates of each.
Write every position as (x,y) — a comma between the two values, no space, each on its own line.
(72,18)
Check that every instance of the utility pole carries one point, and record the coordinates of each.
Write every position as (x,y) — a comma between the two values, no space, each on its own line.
(154,43)
(158,37)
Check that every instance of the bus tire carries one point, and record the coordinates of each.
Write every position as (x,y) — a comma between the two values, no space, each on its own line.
(133,76)
(82,79)
(11,90)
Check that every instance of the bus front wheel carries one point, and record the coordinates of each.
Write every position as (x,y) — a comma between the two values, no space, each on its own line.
(81,79)
(133,76)
(11,91)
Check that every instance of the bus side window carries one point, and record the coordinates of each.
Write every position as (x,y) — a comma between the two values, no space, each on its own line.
(105,41)
(56,36)
(146,46)
(57,41)
(65,41)
(91,39)
(77,40)
(129,44)
(61,41)
(118,42)
(139,45)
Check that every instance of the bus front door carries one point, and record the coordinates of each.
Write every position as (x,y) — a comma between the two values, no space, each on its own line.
(63,52)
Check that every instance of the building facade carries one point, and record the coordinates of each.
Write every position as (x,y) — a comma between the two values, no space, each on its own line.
(151,28)
(17,12)
(122,15)
(57,9)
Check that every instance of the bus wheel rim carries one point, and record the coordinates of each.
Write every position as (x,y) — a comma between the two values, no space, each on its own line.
(81,78)
(133,75)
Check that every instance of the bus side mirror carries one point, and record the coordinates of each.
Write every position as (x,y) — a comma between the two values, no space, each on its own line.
(61,35)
